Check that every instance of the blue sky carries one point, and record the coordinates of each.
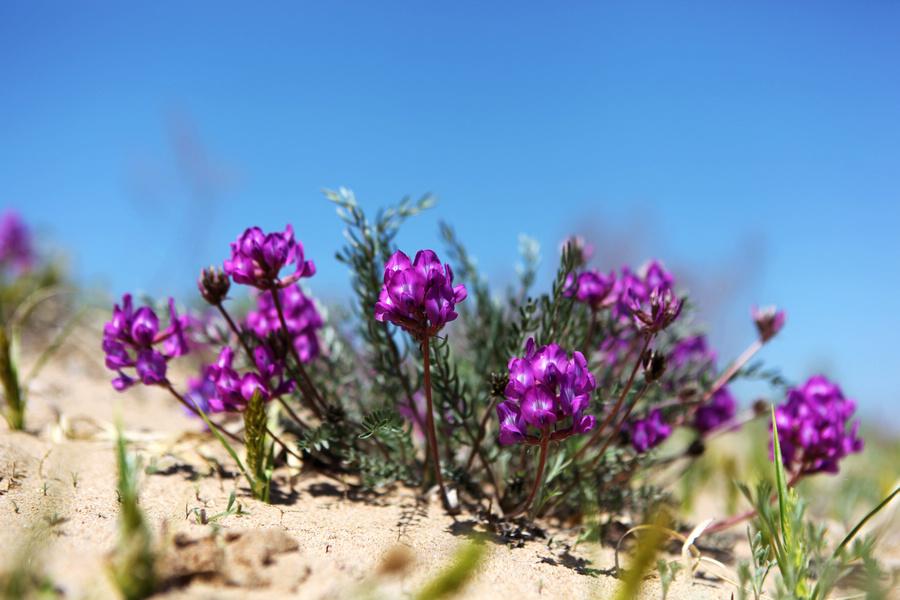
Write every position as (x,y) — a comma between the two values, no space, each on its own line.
(754,148)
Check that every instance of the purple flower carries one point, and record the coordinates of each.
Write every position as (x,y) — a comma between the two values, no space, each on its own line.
(201,392)
(132,340)
(300,314)
(812,427)
(648,432)
(590,287)
(718,410)
(257,259)
(420,296)
(651,276)
(545,388)
(657,312)
(15,243)
(693,351)
(234,391)
(769,321)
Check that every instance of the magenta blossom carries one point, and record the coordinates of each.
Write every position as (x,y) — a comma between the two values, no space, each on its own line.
(418,296)
(769,321)
(546,388)
(15,243)
(651,276)
(657,312)
(257,259)
(234,391)
(813,427)
(133,340)
(590,287)
(300,314)
(578,244)
(201,392)
(693,351)
(718,410)
(648,432)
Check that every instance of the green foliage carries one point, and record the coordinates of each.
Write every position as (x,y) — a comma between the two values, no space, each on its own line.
(9,377)
(649,545)
(668,571)
(807,570)
(133,565)
(259,453)
(451,580)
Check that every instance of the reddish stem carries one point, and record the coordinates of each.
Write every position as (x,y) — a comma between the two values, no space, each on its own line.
(429,421)
(539,476)
(732,369)
(194,410)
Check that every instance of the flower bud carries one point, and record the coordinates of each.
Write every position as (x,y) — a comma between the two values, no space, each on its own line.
(654,366)
(769,321)
(213,285)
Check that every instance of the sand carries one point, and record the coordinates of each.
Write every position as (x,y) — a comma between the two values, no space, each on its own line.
(318,541)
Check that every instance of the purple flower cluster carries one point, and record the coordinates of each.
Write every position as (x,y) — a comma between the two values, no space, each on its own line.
(718,410)
(300,315)
(656,312)
(591,287)
(692,354)
(15,243)
(419,296)
(257,259)
(234,390)
(132,340)
(631,287)
(545,388)
(812,427)
(648,432)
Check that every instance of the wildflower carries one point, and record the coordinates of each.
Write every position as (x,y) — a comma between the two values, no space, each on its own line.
(719,409)
(769,321)
(300,314)
(234,391)
(812,427)
(651,276)
(648,432)
(693,352)
(657,312)
(132,340)
(15,243)
(213,285)
(545,388)
(420,296)
(201,392)
(257,259)
(590,287)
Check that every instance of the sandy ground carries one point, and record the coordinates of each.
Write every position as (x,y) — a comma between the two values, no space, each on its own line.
(316,542)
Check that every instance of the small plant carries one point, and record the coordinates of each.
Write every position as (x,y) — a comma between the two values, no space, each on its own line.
(785,539)
(25,282)
(133,564)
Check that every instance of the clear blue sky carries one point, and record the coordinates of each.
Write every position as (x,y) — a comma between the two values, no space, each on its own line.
(754,148)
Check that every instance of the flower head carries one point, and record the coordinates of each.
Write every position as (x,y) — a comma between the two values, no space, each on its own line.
(15,243)
(718,410)
(300,314)
(133,340)
(257,259)
(657,312)
(545,388)
(648,432)
(813,427)
(419,296)
(201,392)
(234,390)
(693,351)
(640,285)
(590,287)
(769,321)
(213,285)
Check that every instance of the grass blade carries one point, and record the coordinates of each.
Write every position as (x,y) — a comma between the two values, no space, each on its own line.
(849,537)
